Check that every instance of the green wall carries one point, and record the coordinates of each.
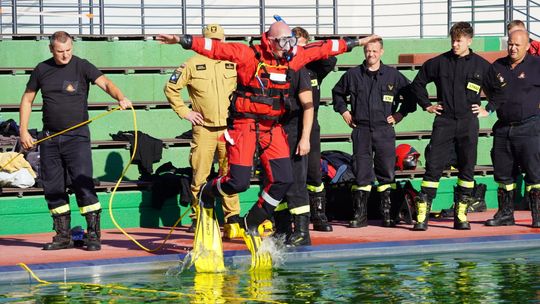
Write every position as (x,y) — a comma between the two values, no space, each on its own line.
(132,208)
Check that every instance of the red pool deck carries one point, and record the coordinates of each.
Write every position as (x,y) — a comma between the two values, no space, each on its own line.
(27,248)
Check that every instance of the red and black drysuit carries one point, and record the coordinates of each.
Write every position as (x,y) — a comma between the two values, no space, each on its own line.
(256,105)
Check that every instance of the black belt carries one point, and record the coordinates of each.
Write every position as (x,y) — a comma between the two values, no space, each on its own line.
(271,92)
(254,116)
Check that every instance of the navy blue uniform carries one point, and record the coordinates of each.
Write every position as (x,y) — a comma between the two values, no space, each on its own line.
(373,97)
(317,70)
(459,81)
(297,197)
(516,133)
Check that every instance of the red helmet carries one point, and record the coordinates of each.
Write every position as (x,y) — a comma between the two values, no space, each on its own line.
(406,157)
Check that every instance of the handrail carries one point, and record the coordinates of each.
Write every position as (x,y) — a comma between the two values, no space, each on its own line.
(413,18)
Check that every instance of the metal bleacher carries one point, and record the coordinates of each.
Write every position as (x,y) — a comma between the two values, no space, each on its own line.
(156,73)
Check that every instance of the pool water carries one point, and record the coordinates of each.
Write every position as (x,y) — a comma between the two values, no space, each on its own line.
(501,277)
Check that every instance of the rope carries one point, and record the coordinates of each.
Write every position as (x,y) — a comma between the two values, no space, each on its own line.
(135,143)
(119,179)
(62,132)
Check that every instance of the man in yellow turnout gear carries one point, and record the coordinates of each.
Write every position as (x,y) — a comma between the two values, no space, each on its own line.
(209,83)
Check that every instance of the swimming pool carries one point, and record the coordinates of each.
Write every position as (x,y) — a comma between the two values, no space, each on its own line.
(500,276)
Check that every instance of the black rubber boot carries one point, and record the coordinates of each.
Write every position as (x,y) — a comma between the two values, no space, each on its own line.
(386,206)
(534,200)
(317,204)
(360,200)
(423,208)
(505,214)
(300,235)
(460,213)
(206,196)
(283,224)
(479,195)
(256,216)
(193,226)
(62,239)
(93,221)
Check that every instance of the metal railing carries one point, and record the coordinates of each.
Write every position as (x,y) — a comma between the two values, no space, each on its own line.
(414,18)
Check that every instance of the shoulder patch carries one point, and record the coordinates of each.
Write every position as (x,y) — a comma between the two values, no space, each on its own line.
(229,66)
(175,76)
(200,67)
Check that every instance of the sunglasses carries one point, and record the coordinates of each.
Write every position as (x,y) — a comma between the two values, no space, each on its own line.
(283,41)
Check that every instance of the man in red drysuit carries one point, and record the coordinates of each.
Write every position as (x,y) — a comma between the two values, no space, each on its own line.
(259,100)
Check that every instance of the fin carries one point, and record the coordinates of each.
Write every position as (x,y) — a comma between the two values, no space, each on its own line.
(259,260)
(207,253)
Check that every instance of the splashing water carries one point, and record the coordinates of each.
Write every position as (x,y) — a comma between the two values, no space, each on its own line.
(275,246)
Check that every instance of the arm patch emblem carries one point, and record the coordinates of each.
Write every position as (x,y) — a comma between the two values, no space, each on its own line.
(175,76)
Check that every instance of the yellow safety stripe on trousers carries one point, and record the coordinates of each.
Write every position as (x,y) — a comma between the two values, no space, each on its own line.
(429,184)
(300,210)
(282,206)
(60,210)
(508,187)
(90,208)
(361,188)
(382,188)
(316,189)
(465,184)
(530,187)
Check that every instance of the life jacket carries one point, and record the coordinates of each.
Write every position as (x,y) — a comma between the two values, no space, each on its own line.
(267,94)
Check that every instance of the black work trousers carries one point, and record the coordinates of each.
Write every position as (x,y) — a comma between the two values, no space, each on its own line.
(297,196)
(374,154)
(67,157)
(516,146)
(449,134)
(314,176)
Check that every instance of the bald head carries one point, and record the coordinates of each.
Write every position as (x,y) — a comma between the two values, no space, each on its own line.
(281,38)
(279,29)
(518,44)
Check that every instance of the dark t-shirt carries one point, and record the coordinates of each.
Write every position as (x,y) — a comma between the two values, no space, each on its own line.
(64,89)
(300,81)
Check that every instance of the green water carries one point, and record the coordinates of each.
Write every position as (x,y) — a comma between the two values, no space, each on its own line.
(502,277)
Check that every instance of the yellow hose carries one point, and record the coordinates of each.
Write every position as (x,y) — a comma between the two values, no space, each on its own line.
(143,290)
(121,176)
(62,132)
(135,143)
